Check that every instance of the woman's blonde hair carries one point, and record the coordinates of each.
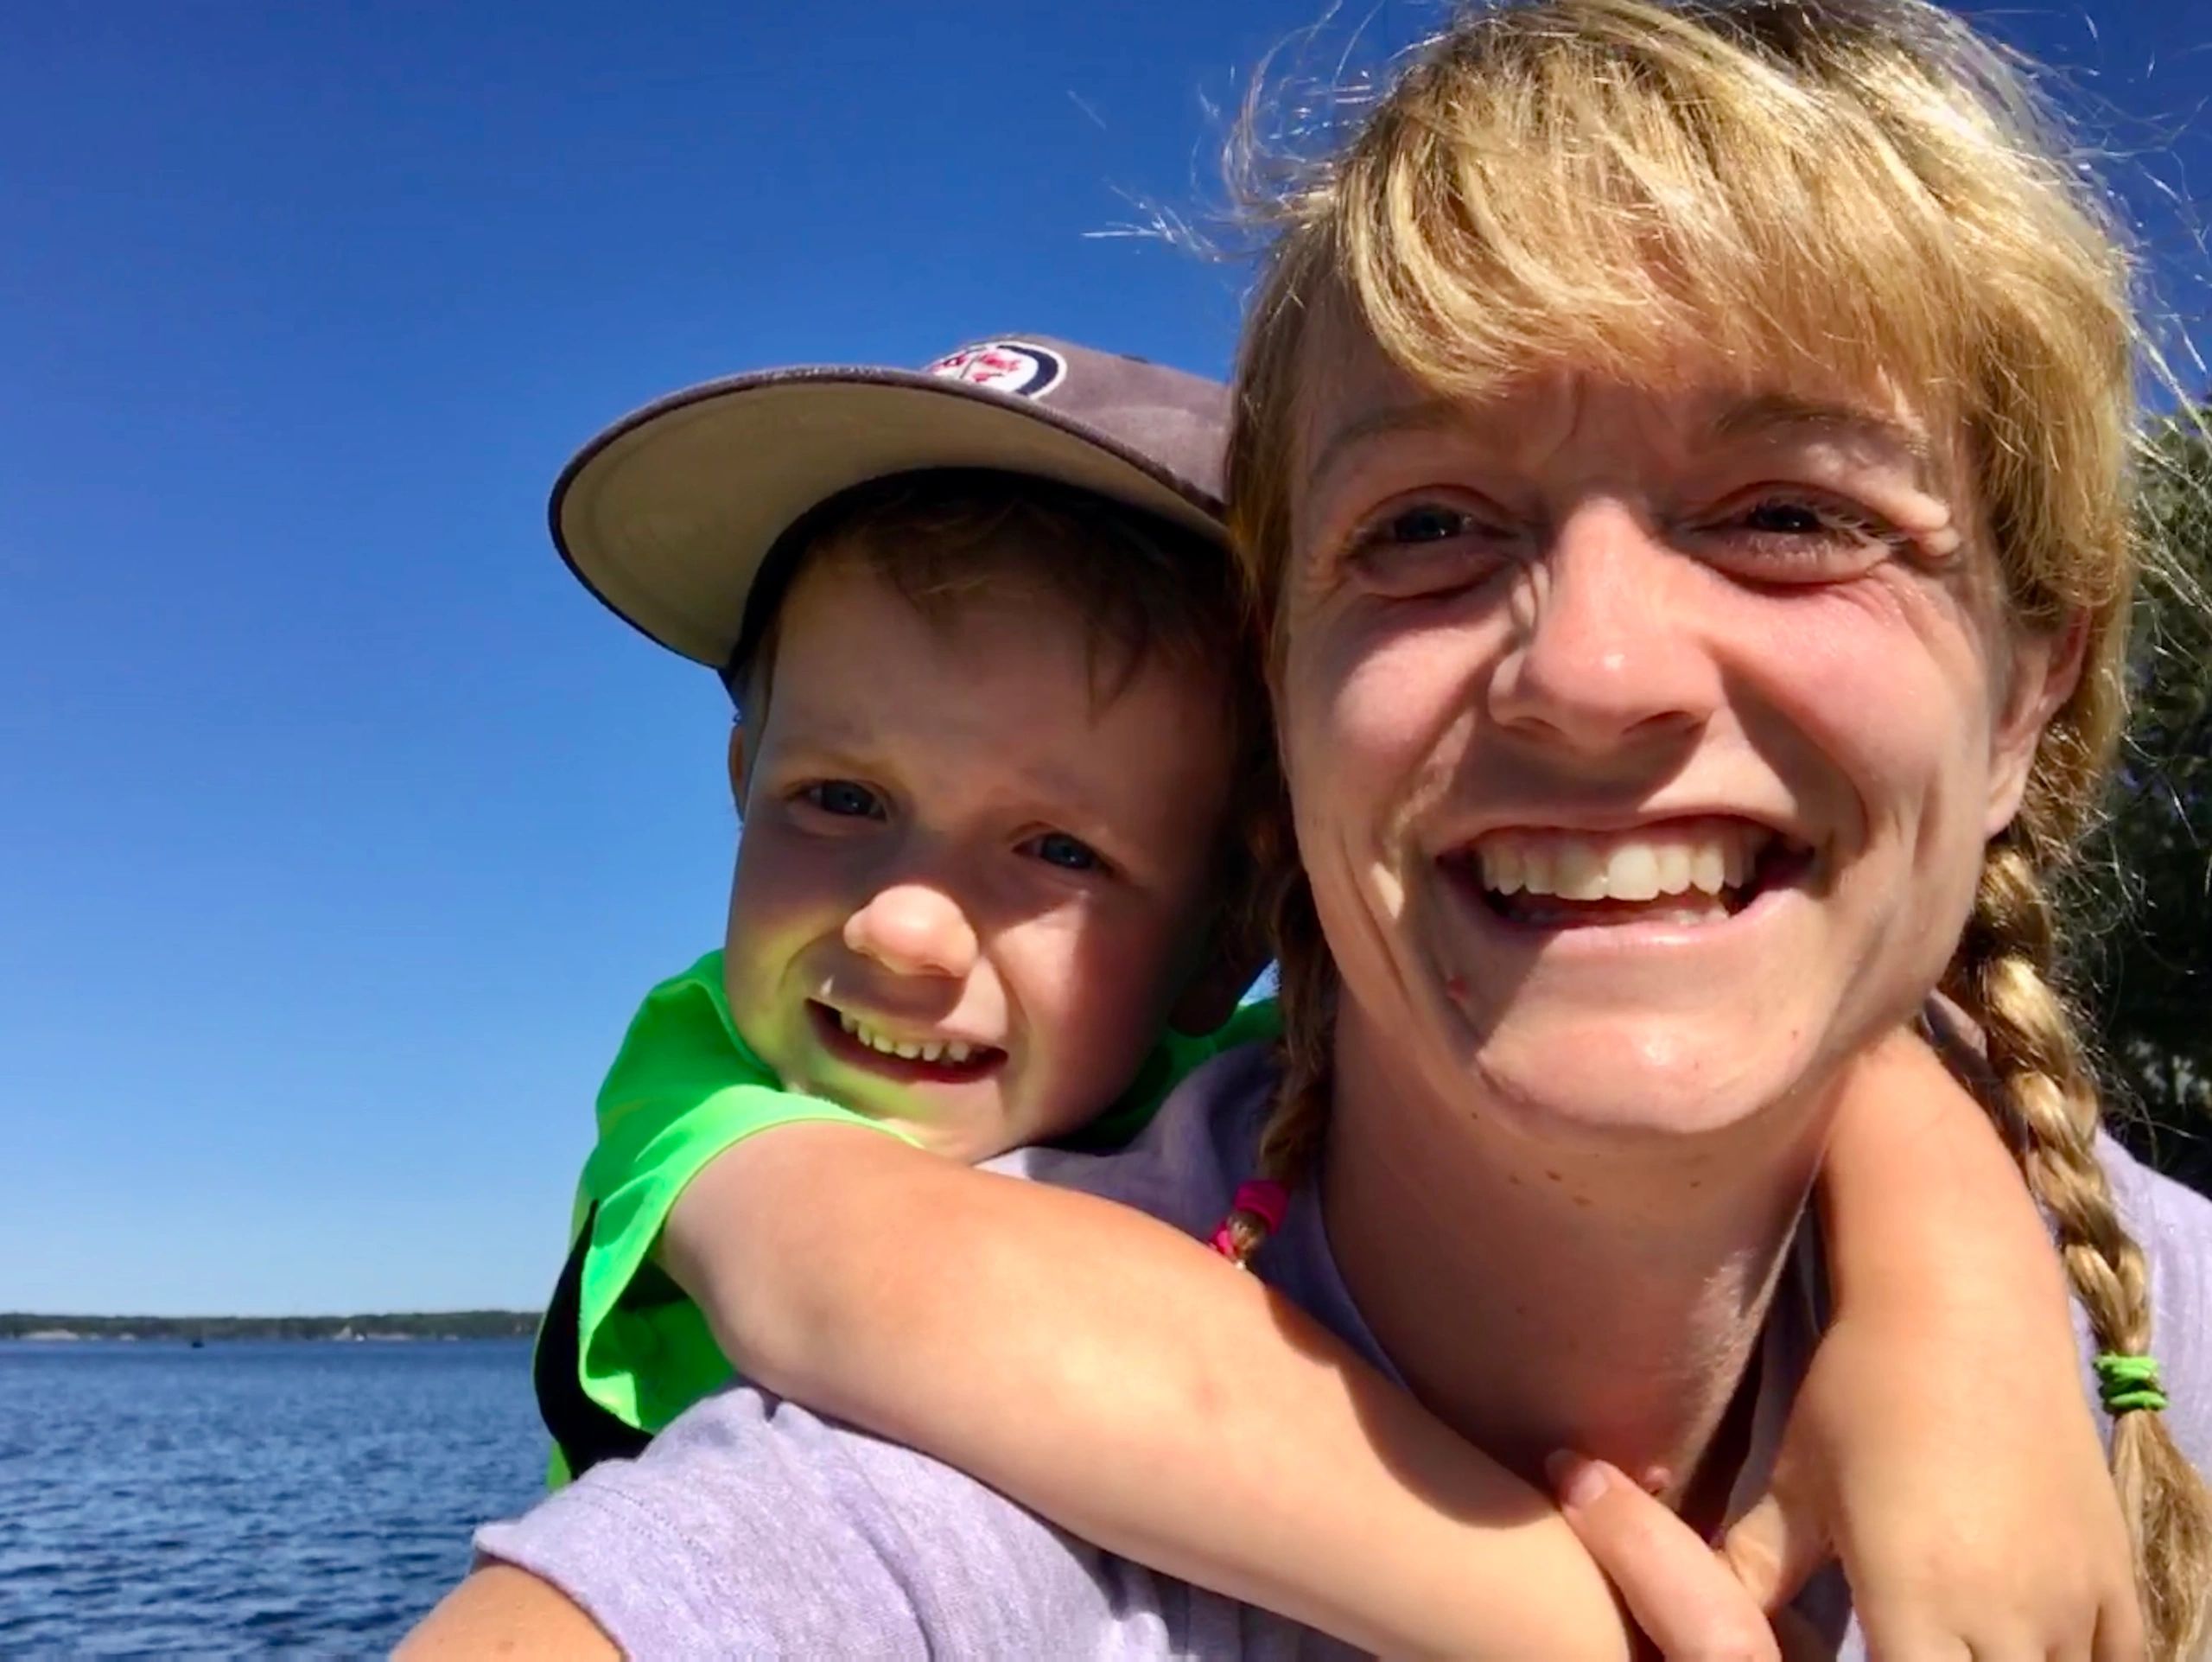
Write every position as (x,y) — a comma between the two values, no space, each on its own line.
(1862,188)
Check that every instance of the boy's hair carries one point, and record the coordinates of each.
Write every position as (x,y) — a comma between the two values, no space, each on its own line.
(1147,591)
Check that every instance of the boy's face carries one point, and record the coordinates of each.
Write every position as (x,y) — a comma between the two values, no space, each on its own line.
(969,890)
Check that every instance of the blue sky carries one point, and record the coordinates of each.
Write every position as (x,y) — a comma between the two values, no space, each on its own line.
(342,831)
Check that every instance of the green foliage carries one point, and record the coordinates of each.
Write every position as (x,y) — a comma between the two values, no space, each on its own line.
(2149,965)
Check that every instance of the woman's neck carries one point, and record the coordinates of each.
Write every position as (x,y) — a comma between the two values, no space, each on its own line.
(1605,1297)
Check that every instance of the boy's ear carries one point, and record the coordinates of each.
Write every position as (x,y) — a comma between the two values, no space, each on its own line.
(737,764)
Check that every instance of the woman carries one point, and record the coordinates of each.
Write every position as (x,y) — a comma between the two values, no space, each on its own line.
(1667,439)
(1797,292)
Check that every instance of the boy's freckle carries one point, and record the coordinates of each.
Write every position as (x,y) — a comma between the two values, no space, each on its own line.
(1582,1201)
(1554,1177)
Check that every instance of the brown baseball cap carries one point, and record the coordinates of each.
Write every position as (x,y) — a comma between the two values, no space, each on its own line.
(668,514)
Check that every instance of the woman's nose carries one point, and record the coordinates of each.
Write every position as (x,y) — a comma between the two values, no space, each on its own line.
(1603,655)
(913,929)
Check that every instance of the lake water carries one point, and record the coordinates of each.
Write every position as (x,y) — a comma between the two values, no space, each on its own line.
(302,1497)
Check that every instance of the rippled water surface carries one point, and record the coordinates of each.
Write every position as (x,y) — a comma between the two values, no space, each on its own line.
(302,1497)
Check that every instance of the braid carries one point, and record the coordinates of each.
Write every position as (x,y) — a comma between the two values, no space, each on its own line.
(1308,995)
(2047,1107)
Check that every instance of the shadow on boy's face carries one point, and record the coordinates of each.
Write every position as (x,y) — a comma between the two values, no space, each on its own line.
(953,845)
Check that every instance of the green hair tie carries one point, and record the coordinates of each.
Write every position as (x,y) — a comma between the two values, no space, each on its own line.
(2127,1383)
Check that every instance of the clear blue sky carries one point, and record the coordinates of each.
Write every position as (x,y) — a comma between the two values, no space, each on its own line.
(341,831)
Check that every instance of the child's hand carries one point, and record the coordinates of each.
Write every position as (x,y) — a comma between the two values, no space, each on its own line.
(1680,1593)
(1970,1506)
(1941,1445)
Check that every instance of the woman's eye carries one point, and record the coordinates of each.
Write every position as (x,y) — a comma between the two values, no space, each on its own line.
(1069,853)
(1430,523)
(1429,548)
(844,799)
(1785,535)
(1786,517)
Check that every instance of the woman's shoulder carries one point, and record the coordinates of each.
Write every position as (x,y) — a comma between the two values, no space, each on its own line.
(1186,1164)
(2173,1224)
(751,1526)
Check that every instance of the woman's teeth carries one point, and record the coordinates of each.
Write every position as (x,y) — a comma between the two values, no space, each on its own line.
(1634,868)
(905,1050)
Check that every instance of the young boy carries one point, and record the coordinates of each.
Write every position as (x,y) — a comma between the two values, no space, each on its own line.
(984,712)
(1003,782)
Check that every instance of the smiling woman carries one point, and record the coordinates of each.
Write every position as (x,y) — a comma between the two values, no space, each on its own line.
(1675,438)
(1655,622)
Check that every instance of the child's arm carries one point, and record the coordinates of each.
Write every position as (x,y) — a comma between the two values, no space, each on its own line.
(1122,1381)
(1943,1432)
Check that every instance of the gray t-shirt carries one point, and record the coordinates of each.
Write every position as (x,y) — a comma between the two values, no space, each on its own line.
(752,1528)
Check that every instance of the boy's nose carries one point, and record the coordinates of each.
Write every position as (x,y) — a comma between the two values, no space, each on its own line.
(913,929)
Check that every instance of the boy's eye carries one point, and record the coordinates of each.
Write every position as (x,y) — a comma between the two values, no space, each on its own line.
(843,798)
(1069,853)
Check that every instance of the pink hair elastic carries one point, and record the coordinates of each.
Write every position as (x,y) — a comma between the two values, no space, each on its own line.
(1262,1197)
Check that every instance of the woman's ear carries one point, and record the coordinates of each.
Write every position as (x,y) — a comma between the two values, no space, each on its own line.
(2046,668)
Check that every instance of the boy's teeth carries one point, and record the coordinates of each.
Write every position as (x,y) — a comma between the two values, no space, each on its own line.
(1619,868)
(904,1049)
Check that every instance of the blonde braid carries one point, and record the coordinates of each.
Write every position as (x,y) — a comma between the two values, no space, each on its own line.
(2047,1106)
(1291,1141)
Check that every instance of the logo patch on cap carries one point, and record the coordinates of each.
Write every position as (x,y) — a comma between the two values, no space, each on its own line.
(1013,366)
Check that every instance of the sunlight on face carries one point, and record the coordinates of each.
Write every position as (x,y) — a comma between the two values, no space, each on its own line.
(1644,742)
(970,884)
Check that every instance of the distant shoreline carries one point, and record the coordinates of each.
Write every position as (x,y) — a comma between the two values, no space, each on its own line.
(214,1329)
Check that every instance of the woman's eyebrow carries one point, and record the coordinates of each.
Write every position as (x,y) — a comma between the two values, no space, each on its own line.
(1427,415)
(1783,415)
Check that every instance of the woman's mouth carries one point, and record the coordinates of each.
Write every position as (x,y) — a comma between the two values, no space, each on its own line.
(907,1054)
(1691,873)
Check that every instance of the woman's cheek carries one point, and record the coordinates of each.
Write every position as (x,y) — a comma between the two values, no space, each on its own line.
(1885,678)
(1368,701)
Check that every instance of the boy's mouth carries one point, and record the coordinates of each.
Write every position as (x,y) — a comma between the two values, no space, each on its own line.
(859,1042)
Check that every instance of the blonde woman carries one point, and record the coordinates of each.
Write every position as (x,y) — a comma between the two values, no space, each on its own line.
(1656,415)
(1670,441)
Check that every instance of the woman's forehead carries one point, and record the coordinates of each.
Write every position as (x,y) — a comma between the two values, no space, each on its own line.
(1353,396)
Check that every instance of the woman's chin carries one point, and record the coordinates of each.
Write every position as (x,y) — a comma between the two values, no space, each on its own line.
(1617,1081)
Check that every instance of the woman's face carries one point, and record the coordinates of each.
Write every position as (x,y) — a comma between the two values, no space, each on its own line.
(1643,743)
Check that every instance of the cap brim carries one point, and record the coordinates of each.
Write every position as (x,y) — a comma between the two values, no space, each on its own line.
(667,515)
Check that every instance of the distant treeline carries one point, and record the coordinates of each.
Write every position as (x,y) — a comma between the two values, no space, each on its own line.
(440,1324)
